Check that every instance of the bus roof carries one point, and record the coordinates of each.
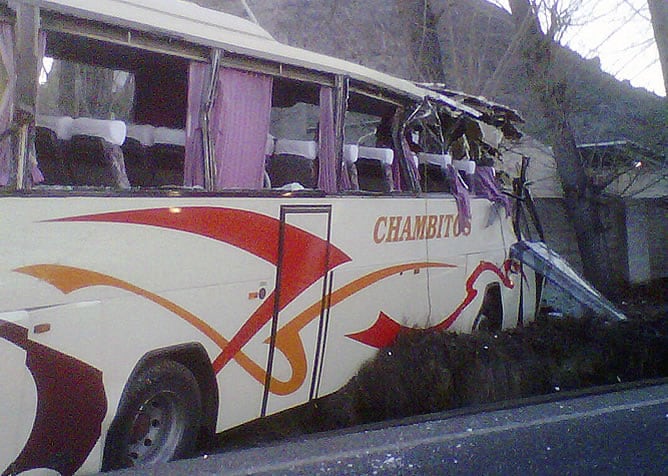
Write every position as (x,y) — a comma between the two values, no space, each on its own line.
(211,28)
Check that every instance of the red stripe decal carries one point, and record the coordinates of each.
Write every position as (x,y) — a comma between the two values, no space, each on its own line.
(301,265)
(385,330)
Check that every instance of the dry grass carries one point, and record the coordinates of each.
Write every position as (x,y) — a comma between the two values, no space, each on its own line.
(426,372)
(431,372)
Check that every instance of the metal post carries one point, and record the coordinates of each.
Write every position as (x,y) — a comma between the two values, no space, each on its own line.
(27,74)
(340,108)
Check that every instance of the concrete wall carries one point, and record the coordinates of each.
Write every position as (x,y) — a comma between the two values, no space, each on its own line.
(657,227)
(636,236)
(559,233)
(638,268)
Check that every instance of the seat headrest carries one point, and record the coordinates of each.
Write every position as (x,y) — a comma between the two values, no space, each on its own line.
(351,153)
(165,135)
(386,156)
(143,133)
(466,166)
(61,125)
(302,148)
(442,160)
(111,131)
(270,146)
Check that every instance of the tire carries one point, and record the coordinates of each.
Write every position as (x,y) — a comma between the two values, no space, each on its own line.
(158,418)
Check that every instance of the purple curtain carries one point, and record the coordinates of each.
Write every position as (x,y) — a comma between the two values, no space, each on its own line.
(461,194)
(327,142)
(485,186)
(409,155)
(6,102)
(240,125)
(194,161)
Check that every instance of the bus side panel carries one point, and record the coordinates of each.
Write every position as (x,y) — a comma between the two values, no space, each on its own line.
(17,392)
(107,293)
(387,275)
(477,257)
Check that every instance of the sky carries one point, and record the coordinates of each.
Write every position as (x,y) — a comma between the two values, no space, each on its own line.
(620,34)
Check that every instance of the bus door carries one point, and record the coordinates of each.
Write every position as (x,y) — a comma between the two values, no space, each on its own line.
(303,264)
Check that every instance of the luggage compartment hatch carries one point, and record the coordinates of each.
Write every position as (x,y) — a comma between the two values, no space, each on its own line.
(547,262)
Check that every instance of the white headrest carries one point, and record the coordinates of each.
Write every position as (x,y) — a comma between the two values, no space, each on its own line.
(165,135)
(302,148)
(270,146)
(350,153)
(384,155)
(466,166)
(145,134)
(292,187)
(61,125)
(442,160)
(111,131)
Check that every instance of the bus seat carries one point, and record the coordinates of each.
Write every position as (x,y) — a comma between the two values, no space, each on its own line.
(374,169)
(113,132)
(61,125)
(94,155)
(143,134)
(167,157)
(466,169)
(432,171)
(351,153)
(293,161)
(50,136)
(136,154)
(50,157)
(270,146)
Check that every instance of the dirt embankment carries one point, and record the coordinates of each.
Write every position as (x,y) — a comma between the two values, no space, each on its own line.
(426,372)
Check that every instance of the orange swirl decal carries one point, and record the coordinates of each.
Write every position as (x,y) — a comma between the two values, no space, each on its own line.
(256,234)
(302,264)
(69,279)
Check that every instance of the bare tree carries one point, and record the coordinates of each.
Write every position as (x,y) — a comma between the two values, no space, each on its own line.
(539,24)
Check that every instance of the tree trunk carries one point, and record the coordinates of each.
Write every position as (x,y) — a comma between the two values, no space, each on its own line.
(551,93)
(67,96)
(659,12)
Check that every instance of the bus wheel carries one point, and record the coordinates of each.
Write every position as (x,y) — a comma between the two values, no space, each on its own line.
(158,419)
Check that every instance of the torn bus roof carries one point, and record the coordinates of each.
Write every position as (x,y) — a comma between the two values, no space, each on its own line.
(214,29)
(495,114)
(489,108)
(537,256)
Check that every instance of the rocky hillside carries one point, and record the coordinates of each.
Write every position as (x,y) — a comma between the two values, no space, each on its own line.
(461,42)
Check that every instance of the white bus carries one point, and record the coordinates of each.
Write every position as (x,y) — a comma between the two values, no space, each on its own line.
(200,226)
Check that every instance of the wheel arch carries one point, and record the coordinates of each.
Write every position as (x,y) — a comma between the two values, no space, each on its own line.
(193,356)
(491,308)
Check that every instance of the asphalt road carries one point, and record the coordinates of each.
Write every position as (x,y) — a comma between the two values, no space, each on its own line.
(624,432)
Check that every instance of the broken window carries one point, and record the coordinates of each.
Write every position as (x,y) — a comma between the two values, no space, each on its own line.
(292,148)
(301,148)
(110,115)
(370,156)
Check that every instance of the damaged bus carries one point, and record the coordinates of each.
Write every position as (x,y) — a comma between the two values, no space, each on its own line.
(200,226)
